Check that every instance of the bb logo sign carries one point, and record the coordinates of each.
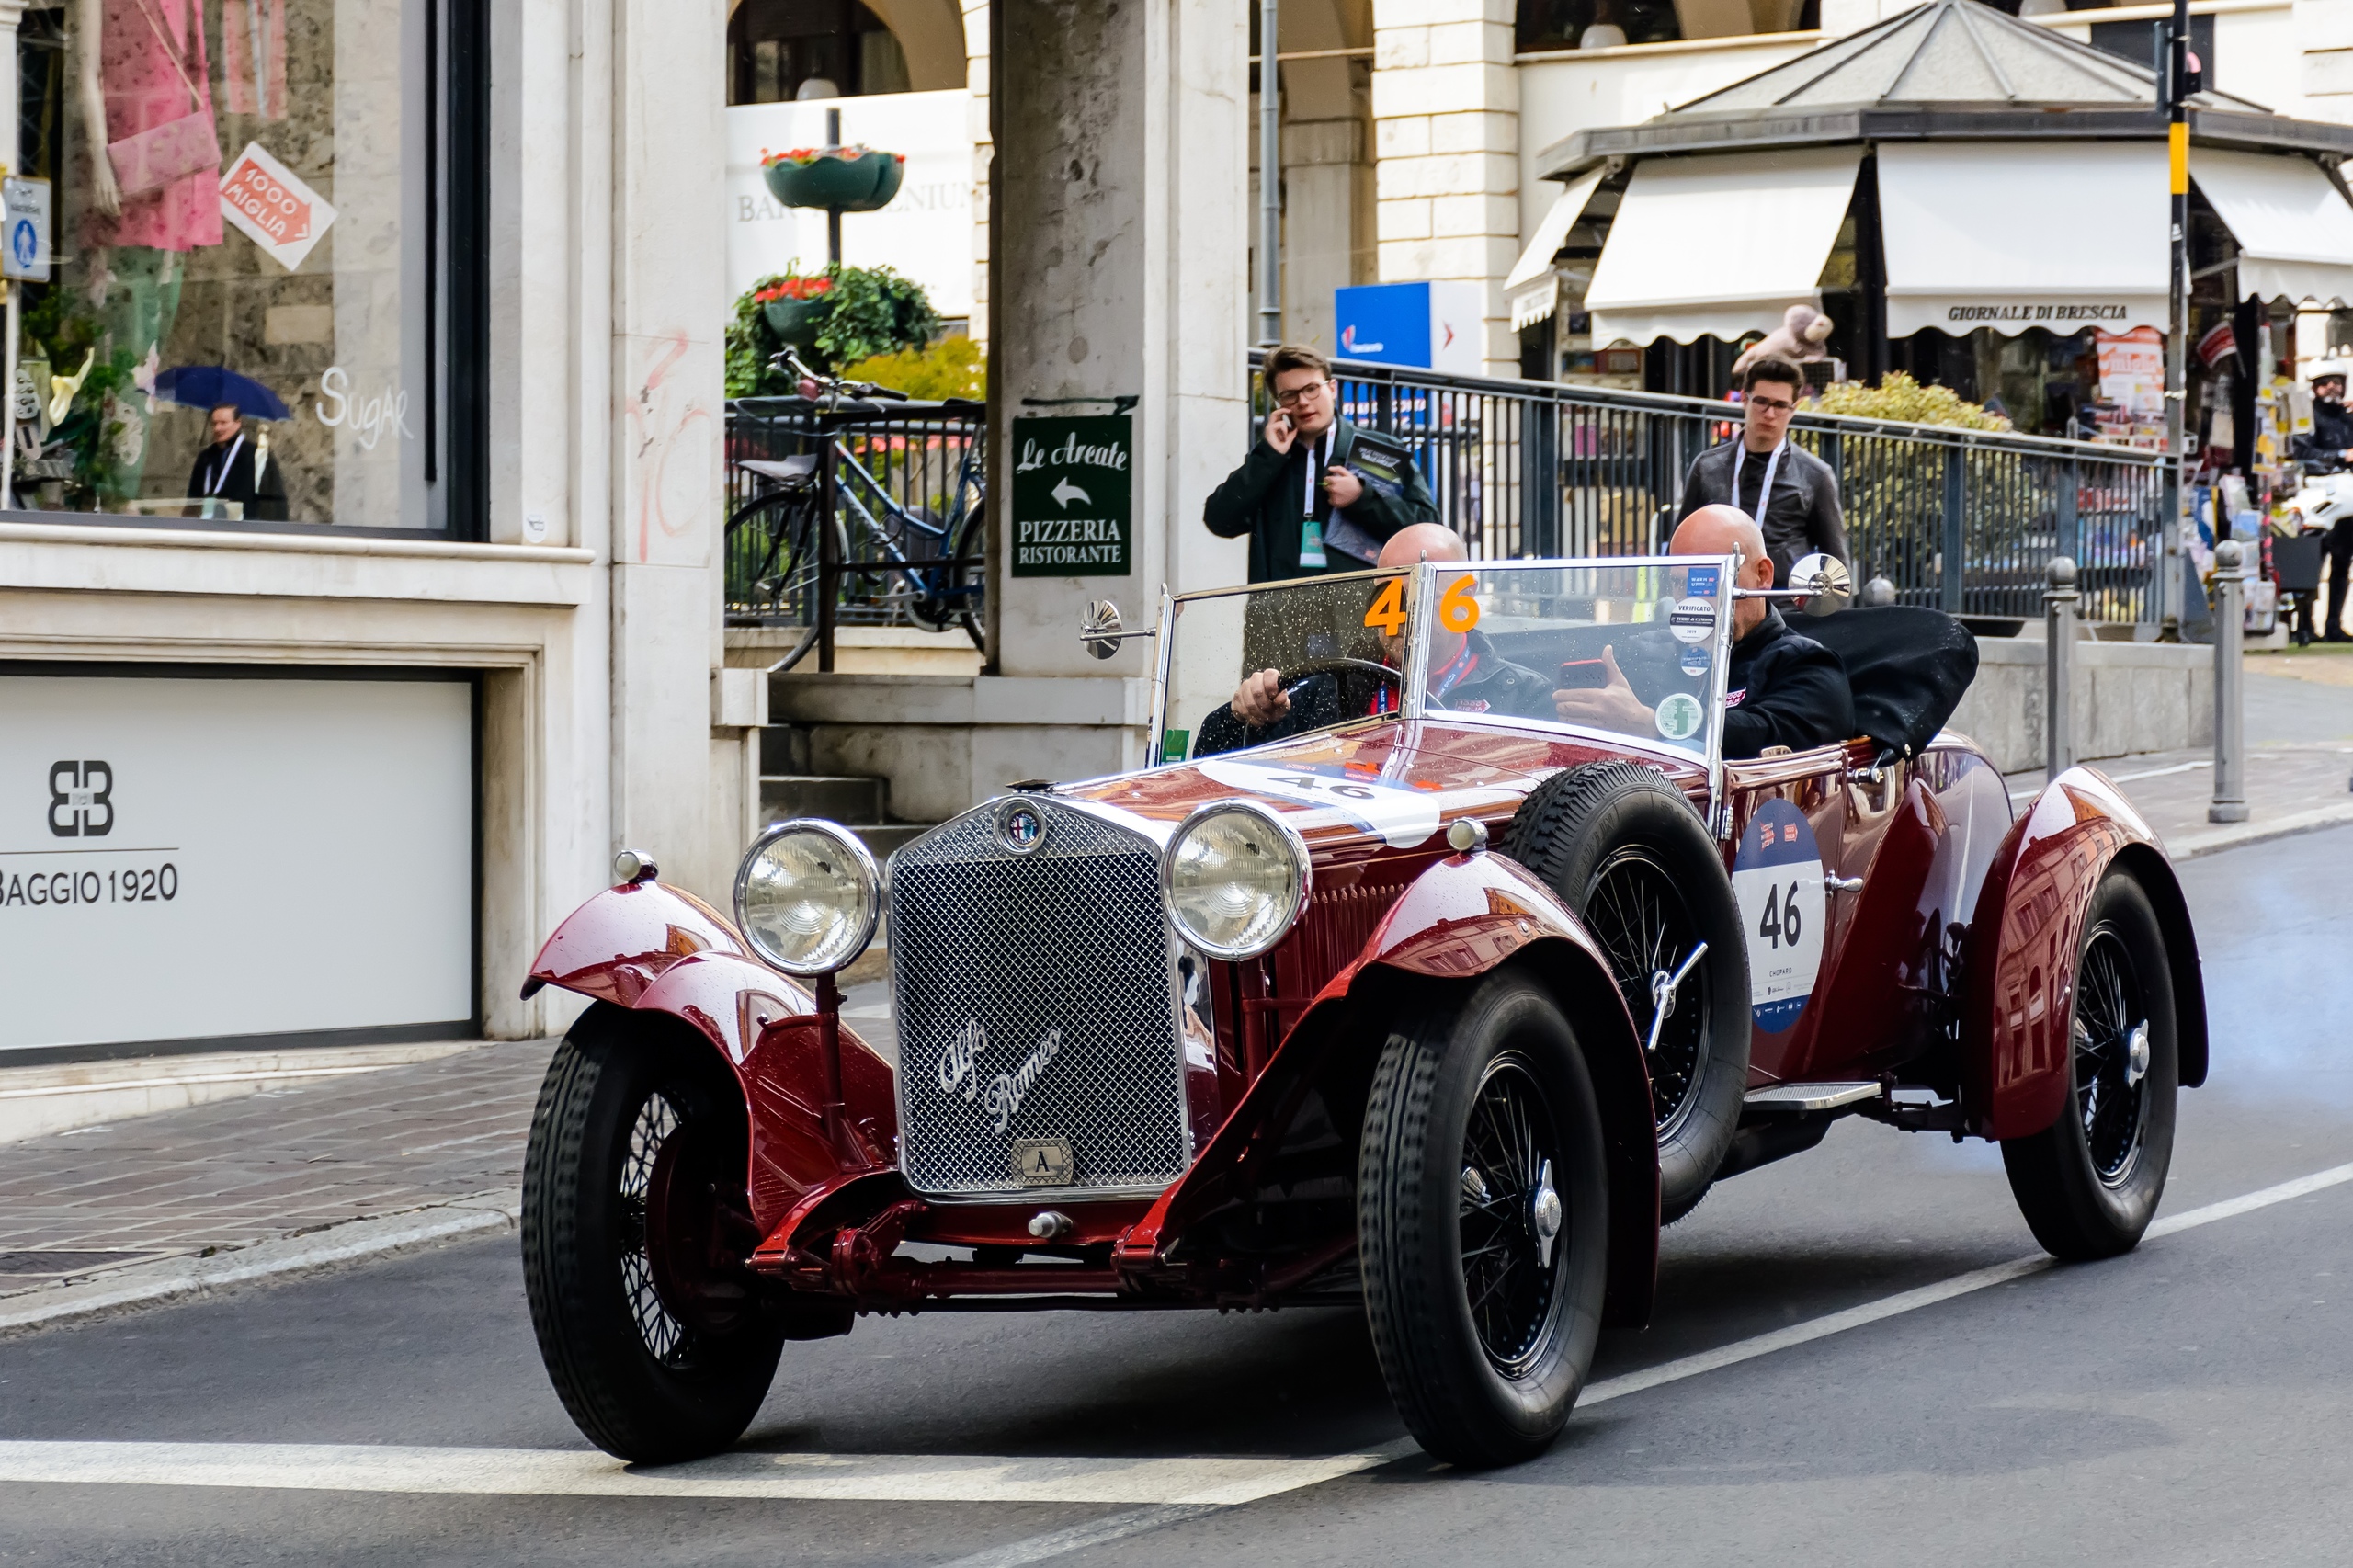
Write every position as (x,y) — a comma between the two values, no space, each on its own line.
(81,804)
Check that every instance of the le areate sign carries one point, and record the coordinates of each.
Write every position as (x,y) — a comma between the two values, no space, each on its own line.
(1073,490)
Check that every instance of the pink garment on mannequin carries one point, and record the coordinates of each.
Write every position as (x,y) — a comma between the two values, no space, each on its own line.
(255,91)
(143,90)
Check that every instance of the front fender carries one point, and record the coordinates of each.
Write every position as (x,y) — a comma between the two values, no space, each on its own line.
(653,949)
(2024,937)
(1462,917)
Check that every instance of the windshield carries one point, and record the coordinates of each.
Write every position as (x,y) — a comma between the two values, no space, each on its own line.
(1634,648)
(1630,648)
(1330,640)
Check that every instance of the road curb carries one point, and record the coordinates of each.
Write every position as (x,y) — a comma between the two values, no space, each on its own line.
(177,1278)
(2189,847)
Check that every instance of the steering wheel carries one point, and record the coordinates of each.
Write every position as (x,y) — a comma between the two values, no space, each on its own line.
(1295,682)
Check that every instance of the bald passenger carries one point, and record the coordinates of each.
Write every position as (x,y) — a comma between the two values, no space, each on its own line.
(1783,689)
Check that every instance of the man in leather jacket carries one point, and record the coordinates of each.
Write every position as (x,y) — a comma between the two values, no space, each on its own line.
(1783,689)
(1791,493)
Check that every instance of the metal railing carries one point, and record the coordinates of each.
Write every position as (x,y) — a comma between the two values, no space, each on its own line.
(1534,469)
(889,475)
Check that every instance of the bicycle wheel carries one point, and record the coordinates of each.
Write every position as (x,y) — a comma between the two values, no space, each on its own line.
(772,565)
(953,593)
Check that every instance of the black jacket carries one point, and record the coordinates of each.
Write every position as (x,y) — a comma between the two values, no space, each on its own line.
(264,502)
(1262,499)
(1784,690)
(1802,517)
(2332,433)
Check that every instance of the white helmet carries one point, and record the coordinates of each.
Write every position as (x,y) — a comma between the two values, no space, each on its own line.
(2326,369)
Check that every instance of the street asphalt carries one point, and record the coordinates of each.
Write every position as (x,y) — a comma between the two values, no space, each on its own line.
(2185,1404)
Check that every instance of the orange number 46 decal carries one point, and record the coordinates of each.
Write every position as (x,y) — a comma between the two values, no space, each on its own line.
(1388,612)
(1457,610)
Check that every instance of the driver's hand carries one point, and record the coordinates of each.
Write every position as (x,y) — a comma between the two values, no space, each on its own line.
(1259,700)
(1344,488)
(1613,706)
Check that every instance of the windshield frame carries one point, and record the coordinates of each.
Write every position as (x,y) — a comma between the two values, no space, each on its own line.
(1429,580)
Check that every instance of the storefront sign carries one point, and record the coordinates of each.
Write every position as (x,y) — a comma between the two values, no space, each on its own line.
(1073,497)
(191,859)
(24,229)
(275,210)
(2073,316)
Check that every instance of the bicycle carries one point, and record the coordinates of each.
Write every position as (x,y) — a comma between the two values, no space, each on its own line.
(774,540)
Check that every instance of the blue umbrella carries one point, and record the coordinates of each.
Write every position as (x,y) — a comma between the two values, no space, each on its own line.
(210,386)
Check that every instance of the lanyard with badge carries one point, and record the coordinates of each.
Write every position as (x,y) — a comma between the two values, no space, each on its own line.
(1311,529)
(1764,490)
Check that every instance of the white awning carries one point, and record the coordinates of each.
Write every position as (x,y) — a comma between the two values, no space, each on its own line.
(2295,231)
(1533,289)
(1719,245)
(2016,235)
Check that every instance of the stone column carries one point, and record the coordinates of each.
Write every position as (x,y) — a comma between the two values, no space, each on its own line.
(1445,135)
(1118,245)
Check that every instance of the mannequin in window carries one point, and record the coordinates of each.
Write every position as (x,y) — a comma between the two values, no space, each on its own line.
(146,102)
(228,468)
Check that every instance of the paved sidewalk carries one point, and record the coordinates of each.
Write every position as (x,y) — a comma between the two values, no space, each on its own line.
(283,1162)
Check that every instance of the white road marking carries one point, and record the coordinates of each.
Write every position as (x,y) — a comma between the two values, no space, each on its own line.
(1943,1290)
(1217,1482)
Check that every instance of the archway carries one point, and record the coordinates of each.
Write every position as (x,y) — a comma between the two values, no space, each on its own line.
(778,49)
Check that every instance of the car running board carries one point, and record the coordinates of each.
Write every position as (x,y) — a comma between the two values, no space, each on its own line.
(1807,1099)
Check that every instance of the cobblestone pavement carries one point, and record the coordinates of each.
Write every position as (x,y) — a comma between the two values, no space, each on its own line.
(278,1163)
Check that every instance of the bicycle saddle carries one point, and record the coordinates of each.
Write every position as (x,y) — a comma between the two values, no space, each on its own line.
(793,473)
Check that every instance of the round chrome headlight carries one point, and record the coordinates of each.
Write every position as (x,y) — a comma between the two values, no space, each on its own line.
(1235,878)
(808,896)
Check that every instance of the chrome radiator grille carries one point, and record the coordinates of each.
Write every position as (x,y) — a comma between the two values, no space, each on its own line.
(1035,1008)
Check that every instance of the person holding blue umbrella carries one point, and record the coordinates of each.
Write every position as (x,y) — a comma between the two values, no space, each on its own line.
(238,467)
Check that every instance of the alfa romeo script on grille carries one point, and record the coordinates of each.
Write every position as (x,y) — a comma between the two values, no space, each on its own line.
(960,1071)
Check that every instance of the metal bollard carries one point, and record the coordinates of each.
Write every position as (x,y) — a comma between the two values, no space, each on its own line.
(2230,684)
(2058,667)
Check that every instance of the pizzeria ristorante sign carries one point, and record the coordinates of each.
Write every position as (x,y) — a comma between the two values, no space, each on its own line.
(1074,491)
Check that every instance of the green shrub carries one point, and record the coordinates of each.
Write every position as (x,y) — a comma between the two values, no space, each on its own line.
(1898,396)
(953,367)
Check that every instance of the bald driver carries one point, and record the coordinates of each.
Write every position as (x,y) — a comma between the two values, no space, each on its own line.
(1466,673)
(1783,690)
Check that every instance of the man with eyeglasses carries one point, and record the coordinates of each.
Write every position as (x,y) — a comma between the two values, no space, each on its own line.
(1306,514)
(1790,493)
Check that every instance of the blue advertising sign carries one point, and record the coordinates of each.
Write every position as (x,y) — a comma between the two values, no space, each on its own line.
(1386,323)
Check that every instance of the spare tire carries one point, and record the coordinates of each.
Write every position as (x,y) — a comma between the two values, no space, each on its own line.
(1624,850)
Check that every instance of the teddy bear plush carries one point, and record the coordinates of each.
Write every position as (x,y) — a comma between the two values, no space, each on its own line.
(1800,337)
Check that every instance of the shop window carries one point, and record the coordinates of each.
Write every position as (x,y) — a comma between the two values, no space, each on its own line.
(781,49)
(264,299)
(1598,24)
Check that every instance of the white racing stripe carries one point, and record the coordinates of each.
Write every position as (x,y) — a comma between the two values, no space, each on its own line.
(1221,1481)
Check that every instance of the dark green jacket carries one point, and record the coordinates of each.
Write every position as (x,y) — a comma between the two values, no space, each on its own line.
(1261,499)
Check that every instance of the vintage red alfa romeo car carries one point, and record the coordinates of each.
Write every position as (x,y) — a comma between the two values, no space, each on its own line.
(1424,1006)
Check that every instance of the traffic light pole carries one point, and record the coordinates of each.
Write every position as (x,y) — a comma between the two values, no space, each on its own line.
(1270,181)
(2174,582)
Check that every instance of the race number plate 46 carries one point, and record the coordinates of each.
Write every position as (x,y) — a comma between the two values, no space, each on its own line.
(1777,879)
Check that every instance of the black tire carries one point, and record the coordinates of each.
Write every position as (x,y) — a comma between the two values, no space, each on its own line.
(773,555)
(2089,1183)
(652,1371)
(1623,849)
(1483,1374)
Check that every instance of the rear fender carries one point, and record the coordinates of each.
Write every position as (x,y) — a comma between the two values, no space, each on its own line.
(1463,917)
(2019,955)
(651,948)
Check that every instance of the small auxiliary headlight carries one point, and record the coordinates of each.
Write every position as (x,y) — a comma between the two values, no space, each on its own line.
(808,896)
(1235,878)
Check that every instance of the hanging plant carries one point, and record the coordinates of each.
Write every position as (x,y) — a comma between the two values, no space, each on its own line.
(795,307)
(837,316)
(852,179)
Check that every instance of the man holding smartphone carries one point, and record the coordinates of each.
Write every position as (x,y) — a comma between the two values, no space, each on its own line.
(1306,513)
(1790,493)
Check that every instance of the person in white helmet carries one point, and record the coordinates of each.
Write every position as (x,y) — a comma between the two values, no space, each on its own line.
(2328,446)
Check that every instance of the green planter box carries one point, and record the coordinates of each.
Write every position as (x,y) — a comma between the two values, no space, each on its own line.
(853,184)
(797,320)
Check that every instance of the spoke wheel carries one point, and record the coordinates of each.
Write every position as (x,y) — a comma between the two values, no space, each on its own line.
(634,1235)
(2088,1184)
(1511,1222)
(1647,931)
(1482,1219)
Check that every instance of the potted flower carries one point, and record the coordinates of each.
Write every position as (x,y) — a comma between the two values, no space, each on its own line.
(849,179)
(795,307)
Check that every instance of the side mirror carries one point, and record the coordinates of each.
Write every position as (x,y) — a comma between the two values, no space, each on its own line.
(1821,583)
(1098,629)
